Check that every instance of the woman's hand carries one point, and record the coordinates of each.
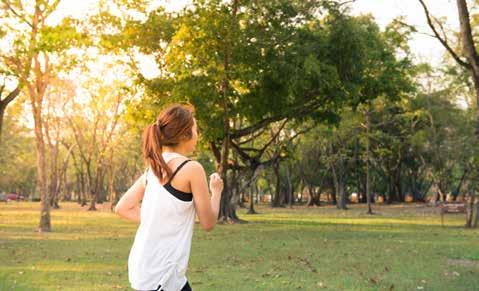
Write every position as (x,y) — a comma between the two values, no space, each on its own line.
(216,184)
(207,207)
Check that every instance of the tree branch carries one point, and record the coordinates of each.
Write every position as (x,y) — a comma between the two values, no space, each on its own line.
(297,110)
(466,32)
(441,39)
(22,18)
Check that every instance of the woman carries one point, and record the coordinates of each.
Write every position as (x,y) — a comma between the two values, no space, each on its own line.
(171,191)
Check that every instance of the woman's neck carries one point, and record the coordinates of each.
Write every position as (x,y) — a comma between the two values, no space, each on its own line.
(177,149)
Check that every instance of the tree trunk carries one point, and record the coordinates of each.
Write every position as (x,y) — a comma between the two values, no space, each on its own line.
(342,196)
(472,64)
(333,194)
(313,199)
(289,188)
(3,105)
(339,188)
(97,187)
(45,224)
(53,153)
(398,185)
(475,221)
(37,81)
(276,201)
(241,200)
(368,191)
(227,209)
(469,49)
(2,114)
(236,189)
(251,202)
(461,182)
(392,194)
(470,210)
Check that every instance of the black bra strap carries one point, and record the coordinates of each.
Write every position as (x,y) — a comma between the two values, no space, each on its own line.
(177,169)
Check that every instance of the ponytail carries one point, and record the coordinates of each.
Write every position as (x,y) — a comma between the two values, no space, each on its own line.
(152,152)
(173,125)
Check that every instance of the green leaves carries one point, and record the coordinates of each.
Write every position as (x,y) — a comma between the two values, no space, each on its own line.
(62,37)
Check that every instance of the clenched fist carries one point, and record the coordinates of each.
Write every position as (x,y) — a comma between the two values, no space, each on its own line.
(216,184)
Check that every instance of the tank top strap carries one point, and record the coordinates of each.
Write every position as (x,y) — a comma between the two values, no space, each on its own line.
(176,171)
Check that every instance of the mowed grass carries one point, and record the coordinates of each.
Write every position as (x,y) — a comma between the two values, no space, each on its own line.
(402,247)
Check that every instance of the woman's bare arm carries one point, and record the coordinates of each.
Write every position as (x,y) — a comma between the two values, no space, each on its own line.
(129,204)
(207,208)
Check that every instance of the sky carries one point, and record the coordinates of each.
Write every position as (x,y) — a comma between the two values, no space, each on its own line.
(425,47)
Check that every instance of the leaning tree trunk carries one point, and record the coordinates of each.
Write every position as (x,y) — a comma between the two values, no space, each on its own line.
(4,103)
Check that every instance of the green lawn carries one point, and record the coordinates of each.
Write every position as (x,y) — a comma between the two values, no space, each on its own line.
(399,248)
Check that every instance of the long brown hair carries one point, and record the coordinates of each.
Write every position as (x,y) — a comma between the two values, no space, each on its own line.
(173,125)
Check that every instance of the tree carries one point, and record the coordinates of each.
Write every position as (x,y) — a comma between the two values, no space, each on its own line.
(312,164)
(467,59)
(95,126)
(228,68)
(257,64)
(36,48)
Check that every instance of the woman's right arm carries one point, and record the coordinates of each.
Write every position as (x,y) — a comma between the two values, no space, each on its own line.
(207,208)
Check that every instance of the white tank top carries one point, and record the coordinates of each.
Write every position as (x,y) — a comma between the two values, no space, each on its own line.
(161,249)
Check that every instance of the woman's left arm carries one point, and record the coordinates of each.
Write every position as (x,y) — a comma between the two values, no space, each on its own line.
(129,204)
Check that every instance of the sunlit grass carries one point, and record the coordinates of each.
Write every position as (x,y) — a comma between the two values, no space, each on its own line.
(402,247)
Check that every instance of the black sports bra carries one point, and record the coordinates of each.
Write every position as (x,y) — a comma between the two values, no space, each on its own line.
(183,196)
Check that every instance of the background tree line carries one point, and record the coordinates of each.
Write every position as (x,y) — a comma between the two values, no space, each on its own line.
(292,98)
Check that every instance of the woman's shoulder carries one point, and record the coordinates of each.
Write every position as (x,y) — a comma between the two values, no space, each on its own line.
(194,165)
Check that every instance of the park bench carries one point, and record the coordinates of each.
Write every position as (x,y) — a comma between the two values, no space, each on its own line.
(452,207)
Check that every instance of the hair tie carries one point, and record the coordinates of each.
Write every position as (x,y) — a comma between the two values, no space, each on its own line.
(159,133)
(160,125)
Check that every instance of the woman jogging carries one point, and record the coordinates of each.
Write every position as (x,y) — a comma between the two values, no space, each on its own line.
(171,191)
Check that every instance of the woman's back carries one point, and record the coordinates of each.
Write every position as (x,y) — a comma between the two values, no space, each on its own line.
(160,252)
(159,256)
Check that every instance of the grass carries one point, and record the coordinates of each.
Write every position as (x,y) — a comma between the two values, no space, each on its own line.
(400,248)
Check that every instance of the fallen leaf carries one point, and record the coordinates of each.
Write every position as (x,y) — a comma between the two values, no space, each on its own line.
(373,280)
